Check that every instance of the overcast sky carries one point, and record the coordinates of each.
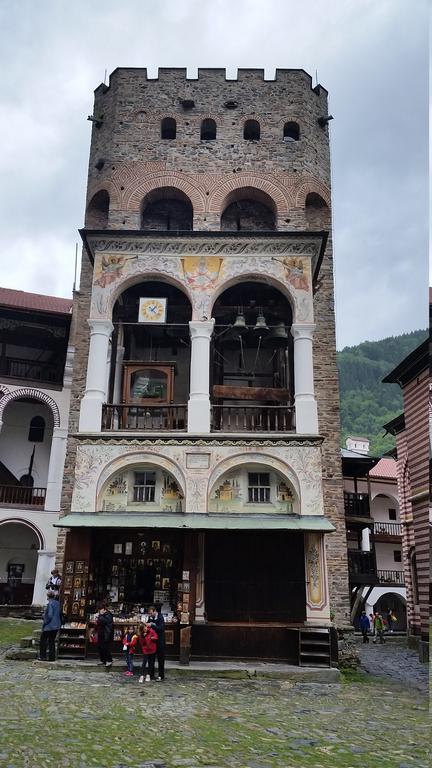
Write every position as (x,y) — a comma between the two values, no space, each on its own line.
(371,55)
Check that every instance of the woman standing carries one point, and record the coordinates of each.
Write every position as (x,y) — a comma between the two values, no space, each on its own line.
(50,627)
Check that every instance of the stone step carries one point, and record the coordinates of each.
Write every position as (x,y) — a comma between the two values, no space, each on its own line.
(37,634)
(21,654)
(26,642)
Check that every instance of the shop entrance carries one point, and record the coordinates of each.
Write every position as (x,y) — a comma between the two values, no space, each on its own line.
(255,576)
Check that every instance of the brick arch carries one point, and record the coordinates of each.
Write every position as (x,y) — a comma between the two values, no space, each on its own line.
(104,185)
(220,197)
(307,187)
(134,196)
(33,394)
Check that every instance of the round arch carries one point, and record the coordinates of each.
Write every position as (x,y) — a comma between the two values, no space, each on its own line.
(33,394)
(283,288)
(137,194)
(312,187)
(241,459)
(108,186)
(134,459)
(226,192)
(27,524)
(387,495)
(145,277)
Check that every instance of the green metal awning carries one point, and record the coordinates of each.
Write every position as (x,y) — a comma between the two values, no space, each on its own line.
(197,522)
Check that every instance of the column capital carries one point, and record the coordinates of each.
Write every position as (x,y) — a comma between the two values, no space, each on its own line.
(58,432)
(303,330)
(201,329)
(97,325)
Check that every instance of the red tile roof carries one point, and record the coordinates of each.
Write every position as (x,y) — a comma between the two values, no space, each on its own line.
(35,301)
(386,468)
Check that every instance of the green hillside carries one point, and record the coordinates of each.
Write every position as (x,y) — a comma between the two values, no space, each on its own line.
(366,403)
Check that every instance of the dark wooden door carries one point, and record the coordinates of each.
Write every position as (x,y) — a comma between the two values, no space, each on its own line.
(254,576)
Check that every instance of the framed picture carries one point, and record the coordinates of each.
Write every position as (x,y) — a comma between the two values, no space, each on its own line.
(118,549)
(150,563)
(166,549)
(165,583)
(128,548)
(75,607)
(82,602)
(77,582)
(155,546)
(186,602)
(185,576)
(114,570)
(68,582)
(186,586)
(79,566)
(69,566)
(77,594)
(169,637)
(184,617)
(65,605)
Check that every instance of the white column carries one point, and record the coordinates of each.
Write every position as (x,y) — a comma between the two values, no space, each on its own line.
(95,394)
(365,540)
(199,397)
(306,413)
(55,470)
(45,564)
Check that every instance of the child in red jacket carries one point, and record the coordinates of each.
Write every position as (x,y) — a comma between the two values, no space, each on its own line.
(147,643)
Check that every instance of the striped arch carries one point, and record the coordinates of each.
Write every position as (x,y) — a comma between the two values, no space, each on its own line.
(105,185)
(222,193)
(134,196)
(312,186)
(26,524)
(33,394)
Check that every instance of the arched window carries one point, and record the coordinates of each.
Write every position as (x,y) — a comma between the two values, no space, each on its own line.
(316,210)
(167,209)
(251,131)
(98,210)
(208,130)
(291,131)
(37,430)
(168,128)
(248,209)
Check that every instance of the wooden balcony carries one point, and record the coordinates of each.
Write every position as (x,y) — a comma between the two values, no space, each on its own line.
(145,418)
(18,496)
(356,504)
(252,418)
(391,578)
(362,567)
(387,531)
(33,370)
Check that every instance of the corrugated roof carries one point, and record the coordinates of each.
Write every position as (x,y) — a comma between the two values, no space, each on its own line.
(36,301)
(386,468)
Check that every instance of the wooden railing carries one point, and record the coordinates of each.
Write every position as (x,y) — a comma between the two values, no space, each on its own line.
(356,504)
(387,529)
(362,566)
(30,369)
(391,577)
(252,418)
(18,495)
(147,418)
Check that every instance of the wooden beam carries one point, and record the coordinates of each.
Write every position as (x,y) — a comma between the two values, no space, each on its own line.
(251,393)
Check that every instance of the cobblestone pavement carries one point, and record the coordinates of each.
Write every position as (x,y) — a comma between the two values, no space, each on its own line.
(57,718)
(395,661)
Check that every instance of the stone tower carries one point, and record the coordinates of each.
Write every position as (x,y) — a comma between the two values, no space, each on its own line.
(205,396)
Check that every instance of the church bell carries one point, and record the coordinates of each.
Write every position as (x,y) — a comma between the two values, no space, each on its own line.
(278,337)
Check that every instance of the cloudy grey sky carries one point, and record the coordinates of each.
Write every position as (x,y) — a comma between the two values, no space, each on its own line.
(371,55)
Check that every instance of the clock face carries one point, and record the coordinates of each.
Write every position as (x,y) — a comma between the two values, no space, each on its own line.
(152,310)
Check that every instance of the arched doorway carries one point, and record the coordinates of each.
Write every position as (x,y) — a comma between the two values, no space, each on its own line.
(19,547)
(150,358)
(397,604)
(252,370)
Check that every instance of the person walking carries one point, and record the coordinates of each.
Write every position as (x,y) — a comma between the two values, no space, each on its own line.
(157,621)
(105,634)
(379,628)
(390,620)
(147,642)
(364,626)
(50,626)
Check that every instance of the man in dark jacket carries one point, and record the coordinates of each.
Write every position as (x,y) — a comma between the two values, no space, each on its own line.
(364,626)
(157,621)
(50,627)
(105,634)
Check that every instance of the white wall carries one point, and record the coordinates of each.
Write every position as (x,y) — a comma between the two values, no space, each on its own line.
(16,449)
(18,544)
(384,556)
(380,508)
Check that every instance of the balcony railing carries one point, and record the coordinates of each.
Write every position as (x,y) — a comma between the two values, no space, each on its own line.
(146,418)
(387,529)
(356,504)
(30,369)
(19,496)
(396,578)
(252,418)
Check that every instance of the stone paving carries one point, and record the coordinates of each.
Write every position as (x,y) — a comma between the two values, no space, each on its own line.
(395,661)
(57,718)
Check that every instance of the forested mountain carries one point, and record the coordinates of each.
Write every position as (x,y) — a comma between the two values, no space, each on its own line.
(366,403)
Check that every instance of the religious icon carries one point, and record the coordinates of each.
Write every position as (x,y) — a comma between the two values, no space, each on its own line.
(70,566)
(79,566)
